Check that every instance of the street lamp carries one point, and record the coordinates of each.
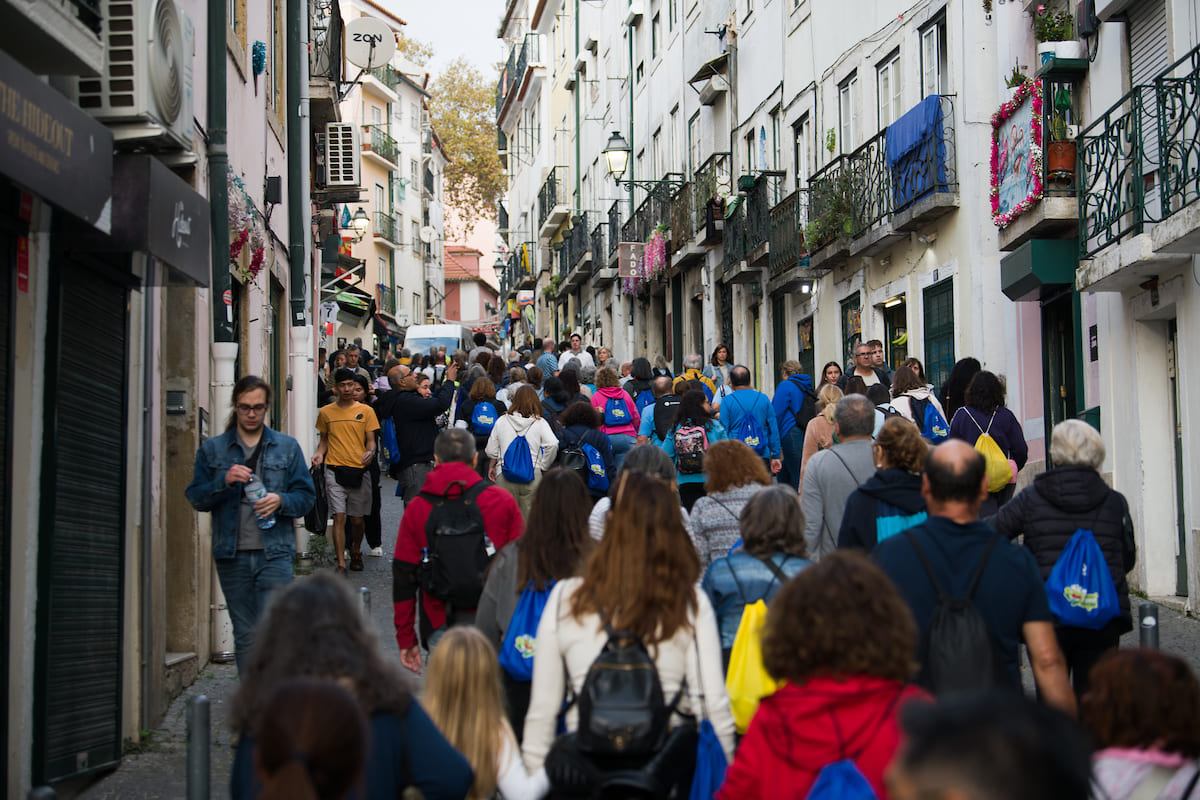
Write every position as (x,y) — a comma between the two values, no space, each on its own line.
(358,224)
(616,156)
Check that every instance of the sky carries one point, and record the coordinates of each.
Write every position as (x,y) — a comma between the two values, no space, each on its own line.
(453,27)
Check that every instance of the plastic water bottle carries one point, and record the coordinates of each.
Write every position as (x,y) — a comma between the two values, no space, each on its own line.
(255,491)
(425,556)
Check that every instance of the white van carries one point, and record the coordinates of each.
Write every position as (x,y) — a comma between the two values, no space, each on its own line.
(419,338)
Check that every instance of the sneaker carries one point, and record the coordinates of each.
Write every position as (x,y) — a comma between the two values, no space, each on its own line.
(377,552)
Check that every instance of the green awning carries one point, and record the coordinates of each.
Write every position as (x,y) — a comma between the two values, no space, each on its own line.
(1036,265)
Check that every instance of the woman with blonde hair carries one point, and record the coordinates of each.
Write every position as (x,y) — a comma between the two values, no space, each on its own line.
(640,580)
(466,702)
(524,418)
(891,500)
(735,474)
(819,435)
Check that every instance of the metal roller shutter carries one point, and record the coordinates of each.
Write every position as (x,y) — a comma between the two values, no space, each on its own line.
(1148,56)
(78,692)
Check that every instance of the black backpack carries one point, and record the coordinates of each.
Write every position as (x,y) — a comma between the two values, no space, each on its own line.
(571,455)
(622,711)
(664,415)
(958,651)
(808,406)
(458,547)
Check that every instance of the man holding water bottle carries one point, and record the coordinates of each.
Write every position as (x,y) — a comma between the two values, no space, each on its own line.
(255,481)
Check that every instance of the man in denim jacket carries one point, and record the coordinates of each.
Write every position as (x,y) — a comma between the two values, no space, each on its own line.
(251,562)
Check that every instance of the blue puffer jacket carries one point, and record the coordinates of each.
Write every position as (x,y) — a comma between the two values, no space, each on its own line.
(283,470)
(740,578)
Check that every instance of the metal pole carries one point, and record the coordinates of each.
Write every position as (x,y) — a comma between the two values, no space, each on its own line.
(1148,626)
(364,601)
(197,748)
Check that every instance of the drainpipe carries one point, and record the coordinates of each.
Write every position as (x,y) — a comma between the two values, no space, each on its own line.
(578,91)
(224,348)
(300,354)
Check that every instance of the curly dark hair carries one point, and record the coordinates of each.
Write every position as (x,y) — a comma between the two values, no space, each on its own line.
(985,392)
(313,628)
(580,412)
(1143,699)
(839,617)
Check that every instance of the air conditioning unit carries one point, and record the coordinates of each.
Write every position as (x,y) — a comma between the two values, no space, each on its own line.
(145,91)
(342,151)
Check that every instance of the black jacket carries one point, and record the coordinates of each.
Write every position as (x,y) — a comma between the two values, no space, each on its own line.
(896,488)
(415,417)
(1063,500)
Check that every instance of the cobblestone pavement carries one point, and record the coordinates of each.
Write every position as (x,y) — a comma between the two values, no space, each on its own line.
(159,771)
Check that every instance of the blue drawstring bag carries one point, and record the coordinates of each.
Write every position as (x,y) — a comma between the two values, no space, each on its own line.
(520,640)
(518,462)
(387,437)
(1080,588)
(841,780)
(710,764)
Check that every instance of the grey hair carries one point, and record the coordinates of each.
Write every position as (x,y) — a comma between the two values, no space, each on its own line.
(773,522)
(651,460)
(1075,443)
(693,361)
(587,375)
(612,362)
(475,372)
(454,445)
(854,416)
(575,364)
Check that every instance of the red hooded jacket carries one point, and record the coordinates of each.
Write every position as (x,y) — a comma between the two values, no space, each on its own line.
(800,729)
(501,518)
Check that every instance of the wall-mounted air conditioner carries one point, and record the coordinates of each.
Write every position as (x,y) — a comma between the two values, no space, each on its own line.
(342,152)
(145,91)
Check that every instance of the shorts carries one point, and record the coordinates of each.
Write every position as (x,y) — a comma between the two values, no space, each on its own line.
(351,502)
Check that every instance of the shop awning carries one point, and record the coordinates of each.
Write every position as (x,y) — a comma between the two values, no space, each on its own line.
(349,298)
(384,326)
(714,66)
(1026,272)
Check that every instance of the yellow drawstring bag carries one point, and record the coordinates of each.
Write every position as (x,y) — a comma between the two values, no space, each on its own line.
(747,680)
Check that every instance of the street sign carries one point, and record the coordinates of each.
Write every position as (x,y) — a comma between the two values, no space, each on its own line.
(629,259)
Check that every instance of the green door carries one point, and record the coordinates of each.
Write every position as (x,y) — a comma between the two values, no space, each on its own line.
(1181,566)
(895,326)
(778,334)
(851,329)
(1062,389)
(939,331)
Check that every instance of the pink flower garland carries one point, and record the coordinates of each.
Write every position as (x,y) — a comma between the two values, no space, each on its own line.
(652,262)
(1026,90)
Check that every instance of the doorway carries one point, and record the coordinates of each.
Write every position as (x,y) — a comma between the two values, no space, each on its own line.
(895,328)
(1181,566)
(1061,358)
(778,333)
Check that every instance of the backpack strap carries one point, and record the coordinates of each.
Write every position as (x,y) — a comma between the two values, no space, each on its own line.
(775,570)
(987,552)
(937,585)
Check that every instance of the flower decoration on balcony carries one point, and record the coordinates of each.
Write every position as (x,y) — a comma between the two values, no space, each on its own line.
(1052,25)
(246,230)
(656,251)
(1016,160)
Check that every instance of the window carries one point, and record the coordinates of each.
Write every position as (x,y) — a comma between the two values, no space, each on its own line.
(694,143)
(776,144)
(847,112)
(751,163)
(655,35)
(802,138)
(376,115)
(276,72)
(673,141)
(748,8)
(413,176)
(641,71)
(888,74)
(414,116)
(656,162)
(672,14)
(381,204)
(933,59)
(415,241)
(416,307)
(939,331)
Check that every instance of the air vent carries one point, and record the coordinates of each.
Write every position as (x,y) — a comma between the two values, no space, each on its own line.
(341,155)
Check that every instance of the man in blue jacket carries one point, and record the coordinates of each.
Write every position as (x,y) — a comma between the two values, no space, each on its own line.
(744,400)
(251,560)
(795,405)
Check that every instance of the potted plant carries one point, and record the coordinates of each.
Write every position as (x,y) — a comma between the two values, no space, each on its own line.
(1060,151)
(1053,30)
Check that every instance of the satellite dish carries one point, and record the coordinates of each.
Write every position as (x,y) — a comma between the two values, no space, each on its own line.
(428,233)
(370,43)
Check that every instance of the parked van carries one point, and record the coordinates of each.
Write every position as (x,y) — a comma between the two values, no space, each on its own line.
(419,338)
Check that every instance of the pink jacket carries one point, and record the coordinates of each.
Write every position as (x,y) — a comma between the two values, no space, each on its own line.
(601,397)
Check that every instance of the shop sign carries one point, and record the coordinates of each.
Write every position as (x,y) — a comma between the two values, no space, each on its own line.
(54,148)
(157,212)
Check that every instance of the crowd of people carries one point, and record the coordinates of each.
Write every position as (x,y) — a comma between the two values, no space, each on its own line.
(621,582)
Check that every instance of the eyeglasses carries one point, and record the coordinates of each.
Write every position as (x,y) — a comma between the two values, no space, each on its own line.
(245,409)
(864,354)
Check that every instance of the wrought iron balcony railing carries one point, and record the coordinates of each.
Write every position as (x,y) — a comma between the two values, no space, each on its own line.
(387,227)
(1177,92)
(386,75)
(735,235)
(579,240)
(379,142)
(325,40)
(554,192)
(522,54)
(387,299)
(766,194)
(930,166)
(787,232)
(598,240)
(615,228)
(711,180)
(681,217)
(831,204)
(871,183)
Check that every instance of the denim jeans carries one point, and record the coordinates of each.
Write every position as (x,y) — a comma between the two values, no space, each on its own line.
(793,449)
(621,444)
(247,580)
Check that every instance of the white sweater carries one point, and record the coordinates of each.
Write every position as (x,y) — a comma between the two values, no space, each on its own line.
(543,444)
(563,639)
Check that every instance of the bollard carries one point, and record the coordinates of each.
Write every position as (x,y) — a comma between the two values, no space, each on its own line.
(197,748)
(364,601)
(1148,626)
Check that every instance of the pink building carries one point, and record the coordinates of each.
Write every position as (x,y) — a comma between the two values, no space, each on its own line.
(470,298)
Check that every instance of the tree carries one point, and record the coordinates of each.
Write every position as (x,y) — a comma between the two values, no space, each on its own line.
(414,50)
(462,105)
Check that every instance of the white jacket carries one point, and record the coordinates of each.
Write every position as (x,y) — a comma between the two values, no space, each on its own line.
(565,644)
(543,444)
(904,406)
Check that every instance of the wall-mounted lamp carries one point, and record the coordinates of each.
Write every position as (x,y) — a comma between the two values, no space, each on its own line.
(806,287)
(358,224)
(928,238)
(892,302)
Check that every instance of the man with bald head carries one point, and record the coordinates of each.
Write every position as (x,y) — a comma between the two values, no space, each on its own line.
(415,415)
(1009,595)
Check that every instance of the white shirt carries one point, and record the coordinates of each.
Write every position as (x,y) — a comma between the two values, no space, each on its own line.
(585,359)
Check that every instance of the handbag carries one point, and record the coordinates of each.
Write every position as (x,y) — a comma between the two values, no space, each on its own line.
(317,517)
(348,477)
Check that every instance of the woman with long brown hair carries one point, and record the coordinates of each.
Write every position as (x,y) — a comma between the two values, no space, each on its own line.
(554,546)
(641,579)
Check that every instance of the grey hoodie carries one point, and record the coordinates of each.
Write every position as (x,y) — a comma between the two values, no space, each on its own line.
(829,479)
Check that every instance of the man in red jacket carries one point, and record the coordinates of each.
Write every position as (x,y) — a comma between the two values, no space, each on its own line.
(453,475)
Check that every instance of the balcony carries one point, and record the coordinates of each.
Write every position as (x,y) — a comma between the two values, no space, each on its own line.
(1138,184)
(710,184)
(387,230)
(502,147)
(735,235)
(324,61)
(386,76)
(387,299)
(765,194)
(523,58)
(614,231)
(578,247)
(603,272)
(554,203)
(521,272)
(379,147)
(898,181)
(58,38)
(789,257)
(682,250)
(502,222)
